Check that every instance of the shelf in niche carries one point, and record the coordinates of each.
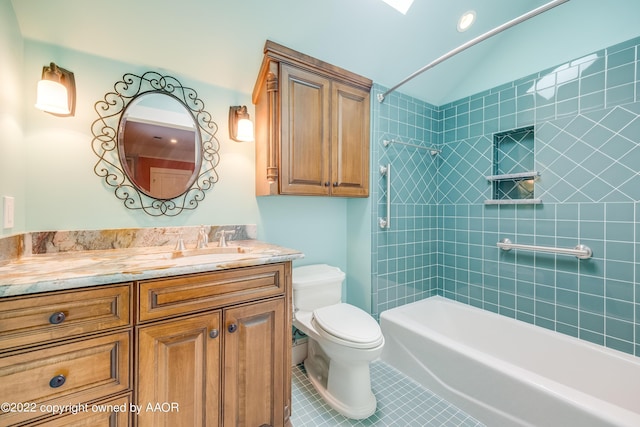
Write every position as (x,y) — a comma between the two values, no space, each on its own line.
(513,176)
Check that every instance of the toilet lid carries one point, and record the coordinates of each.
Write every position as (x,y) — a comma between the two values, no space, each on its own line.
(348,323)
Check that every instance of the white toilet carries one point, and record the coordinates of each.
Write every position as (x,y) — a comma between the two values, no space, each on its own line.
(343,340)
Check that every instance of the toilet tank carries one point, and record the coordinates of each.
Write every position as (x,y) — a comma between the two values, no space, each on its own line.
(316,286)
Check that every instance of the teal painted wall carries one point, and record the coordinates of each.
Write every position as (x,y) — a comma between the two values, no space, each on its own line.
(12,160)
(571,30)
(63,190)
(359,248)
(47,162)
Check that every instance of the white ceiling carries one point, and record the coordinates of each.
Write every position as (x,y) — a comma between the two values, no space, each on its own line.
(220,41)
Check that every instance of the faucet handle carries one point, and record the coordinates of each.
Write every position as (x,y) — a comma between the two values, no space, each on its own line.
(180,243)
(222,233)
(203,239)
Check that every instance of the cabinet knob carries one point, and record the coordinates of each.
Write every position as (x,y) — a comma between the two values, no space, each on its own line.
(335,184)
(232,328)
(326,184)
(57,318)
(213,333)
(57,381)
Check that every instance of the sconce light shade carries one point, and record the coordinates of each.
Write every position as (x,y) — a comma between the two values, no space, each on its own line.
(240,124)
(57,91)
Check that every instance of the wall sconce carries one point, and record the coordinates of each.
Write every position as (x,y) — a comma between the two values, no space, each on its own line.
(57,91)
(240,124)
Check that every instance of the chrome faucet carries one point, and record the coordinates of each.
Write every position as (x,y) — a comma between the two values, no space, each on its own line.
(222,233)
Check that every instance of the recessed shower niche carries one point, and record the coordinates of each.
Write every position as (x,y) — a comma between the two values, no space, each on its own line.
(513,178)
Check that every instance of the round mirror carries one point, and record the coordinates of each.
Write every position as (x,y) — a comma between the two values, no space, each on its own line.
(159,145)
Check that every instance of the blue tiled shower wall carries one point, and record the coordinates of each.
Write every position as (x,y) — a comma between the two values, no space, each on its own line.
(586,118)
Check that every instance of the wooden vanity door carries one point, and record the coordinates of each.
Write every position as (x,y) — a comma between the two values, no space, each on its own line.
(254,372)
(179,364)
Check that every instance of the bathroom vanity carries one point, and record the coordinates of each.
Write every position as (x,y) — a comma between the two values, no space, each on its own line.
(148,338)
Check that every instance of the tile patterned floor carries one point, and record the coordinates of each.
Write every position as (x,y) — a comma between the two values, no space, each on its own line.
(401,403)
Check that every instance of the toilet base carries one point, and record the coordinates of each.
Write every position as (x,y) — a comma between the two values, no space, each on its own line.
(346,388)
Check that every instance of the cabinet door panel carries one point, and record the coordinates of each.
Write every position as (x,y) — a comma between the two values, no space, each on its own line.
(305,132)
(254,361)
(179,364)
(350,141)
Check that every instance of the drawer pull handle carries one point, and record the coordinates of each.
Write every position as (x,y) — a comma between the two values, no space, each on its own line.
(233,327)
(57,381)
(57,318)
(213,333)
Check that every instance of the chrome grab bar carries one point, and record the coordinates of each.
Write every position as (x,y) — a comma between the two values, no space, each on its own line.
(580,251)
(386,222)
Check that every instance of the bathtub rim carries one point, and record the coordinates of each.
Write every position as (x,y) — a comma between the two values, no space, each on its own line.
(586,402)
(537,329)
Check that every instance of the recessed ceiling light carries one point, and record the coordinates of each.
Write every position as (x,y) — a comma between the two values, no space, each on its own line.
(401,6)
(466,20)
(173,141)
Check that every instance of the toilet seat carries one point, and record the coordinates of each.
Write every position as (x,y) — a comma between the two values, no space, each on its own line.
(347,325)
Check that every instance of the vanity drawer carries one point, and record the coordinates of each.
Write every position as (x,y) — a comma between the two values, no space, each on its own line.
(106,414)
(187,294)
(31,320)
(66,374)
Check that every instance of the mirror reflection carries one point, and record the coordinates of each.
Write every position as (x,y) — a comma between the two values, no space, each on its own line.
(159,145)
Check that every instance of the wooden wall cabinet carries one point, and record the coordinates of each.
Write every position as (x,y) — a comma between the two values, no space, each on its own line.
(209,349)
(312,127)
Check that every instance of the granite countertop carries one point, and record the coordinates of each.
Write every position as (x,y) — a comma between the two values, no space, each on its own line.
(70,270)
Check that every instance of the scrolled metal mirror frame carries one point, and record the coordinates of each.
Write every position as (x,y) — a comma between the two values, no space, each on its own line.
(105,143)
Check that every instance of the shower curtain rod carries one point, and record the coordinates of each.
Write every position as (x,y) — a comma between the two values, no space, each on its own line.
(475,41)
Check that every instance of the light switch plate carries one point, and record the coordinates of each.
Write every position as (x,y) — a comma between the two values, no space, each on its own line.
(8,216)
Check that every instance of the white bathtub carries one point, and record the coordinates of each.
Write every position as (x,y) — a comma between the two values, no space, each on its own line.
(505,372)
